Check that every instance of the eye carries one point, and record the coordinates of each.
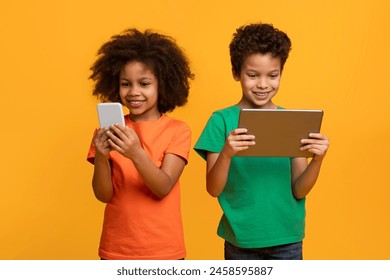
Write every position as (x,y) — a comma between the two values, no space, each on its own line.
(274,75)
(124,84)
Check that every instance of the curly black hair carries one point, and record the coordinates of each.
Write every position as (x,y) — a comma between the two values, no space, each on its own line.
(258,38)
(158,52)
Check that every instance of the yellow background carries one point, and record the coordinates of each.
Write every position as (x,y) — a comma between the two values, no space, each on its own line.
(339,63)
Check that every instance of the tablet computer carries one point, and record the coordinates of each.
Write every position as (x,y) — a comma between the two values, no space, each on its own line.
(279,132)
(110,114)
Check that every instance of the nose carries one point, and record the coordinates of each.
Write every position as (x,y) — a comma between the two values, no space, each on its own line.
(262,83)
(133,91)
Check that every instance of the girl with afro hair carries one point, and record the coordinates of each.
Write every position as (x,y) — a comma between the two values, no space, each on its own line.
(137,166)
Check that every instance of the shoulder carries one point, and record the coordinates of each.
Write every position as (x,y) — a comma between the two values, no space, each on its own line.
(224,115)
(227,117)
(173,123)
(228,111)
(175,127)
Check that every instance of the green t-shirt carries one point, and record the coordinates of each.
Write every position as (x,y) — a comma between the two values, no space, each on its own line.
(259,207)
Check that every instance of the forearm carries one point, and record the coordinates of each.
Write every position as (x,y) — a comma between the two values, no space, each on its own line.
(306,181)
(155,178)
(101,180)
(217,173)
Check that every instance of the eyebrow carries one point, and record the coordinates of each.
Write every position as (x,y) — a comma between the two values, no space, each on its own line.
(270,72)
(142,78)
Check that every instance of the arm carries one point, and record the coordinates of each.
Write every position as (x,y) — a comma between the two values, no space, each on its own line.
(218,164)
(304,175)
(159,180)
(101,181)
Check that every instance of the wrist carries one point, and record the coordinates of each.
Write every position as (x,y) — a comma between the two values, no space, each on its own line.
(317,159)
(101,159)
(226,155)
(137,156)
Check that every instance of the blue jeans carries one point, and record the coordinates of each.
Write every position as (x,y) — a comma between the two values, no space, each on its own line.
(291,251)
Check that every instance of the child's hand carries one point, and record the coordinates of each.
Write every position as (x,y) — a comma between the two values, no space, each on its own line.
(102,147)
(317,144)
(236,141)
(124,140)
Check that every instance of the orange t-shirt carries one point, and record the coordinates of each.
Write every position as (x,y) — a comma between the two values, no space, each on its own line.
(137,224)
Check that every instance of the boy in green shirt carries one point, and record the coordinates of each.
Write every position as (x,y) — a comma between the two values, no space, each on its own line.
(263,198)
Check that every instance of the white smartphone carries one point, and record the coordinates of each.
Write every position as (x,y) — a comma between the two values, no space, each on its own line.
(110,114)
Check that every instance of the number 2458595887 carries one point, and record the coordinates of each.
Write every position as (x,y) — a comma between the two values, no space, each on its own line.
(241,270)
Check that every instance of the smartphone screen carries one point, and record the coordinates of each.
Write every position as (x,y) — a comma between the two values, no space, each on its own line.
(110,114)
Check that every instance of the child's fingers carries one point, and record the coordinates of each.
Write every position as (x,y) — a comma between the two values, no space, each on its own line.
(113,138)
(240,134)
(239,144)
(316,149)
(318,136)
(317,144)
(100,137)
(124,133)
(123,140)
(102,146)
(101,132)
(120,134)
(118,130)
(238,131)
(114,145)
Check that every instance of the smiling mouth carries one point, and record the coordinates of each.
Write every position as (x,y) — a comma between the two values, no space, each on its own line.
(136,103)
(261,94)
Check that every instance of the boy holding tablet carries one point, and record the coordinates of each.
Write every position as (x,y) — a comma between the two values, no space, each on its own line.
(263,198)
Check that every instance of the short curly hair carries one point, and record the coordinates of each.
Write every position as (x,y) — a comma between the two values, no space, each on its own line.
(158,52)
(258,38)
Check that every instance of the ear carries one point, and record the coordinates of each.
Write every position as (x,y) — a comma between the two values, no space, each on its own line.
(235,76)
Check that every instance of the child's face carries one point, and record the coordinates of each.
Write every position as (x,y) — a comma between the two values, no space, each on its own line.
(260,77)
(138,90)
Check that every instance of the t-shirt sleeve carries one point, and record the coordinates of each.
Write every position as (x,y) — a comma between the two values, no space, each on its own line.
(213,137)
(91,151)
(181,142)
